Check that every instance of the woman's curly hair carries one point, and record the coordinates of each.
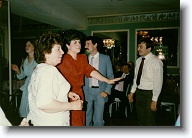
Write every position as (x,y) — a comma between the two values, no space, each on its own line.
(44,44)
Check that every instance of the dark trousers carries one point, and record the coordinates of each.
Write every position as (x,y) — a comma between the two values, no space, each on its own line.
(146,116)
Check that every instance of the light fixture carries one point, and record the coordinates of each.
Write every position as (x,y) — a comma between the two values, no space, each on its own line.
(161,56)
(109,43)
(144,34)
(157,40)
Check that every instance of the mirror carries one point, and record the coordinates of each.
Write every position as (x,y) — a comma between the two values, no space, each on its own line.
(166,42)
(118,51)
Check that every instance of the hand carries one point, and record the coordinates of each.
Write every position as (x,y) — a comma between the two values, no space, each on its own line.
(24,122)
(130,97)
(104,94)
(74,96)
(77,105)
(154,105)
(15,68)
(113,81)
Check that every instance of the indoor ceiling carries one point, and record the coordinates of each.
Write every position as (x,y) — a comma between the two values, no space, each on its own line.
(74,13)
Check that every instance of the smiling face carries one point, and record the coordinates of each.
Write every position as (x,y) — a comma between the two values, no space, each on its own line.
(55,56)
(142,49)
(74,47)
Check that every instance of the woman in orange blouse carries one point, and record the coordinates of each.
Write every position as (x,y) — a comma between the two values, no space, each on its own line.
(74,66)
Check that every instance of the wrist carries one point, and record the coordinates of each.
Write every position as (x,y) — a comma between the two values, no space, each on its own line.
(69,93)
(70,106)
(107,81)
(18,72)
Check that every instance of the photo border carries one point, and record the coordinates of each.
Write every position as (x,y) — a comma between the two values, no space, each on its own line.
(185,131)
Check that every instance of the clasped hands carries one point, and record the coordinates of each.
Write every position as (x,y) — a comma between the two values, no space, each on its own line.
(77,104)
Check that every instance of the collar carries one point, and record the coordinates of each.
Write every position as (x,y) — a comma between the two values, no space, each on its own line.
(125,74)
(95,56)
(148,55)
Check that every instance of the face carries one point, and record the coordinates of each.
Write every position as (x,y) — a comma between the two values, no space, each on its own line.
(142,50)
(75,46)
(29,48)
(125,69)
(89,46)
(55,56)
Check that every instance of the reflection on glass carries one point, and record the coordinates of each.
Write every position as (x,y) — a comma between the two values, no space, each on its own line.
(166,44)
(109,43)
(115,44)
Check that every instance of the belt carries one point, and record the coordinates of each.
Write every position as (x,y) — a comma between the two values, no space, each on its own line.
(144,90)
(94,86)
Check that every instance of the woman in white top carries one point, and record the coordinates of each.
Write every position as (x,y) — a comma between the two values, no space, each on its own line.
(48,89)
(3,120)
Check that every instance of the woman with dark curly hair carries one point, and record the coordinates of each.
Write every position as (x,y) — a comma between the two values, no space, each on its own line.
(48,89)
(74,66)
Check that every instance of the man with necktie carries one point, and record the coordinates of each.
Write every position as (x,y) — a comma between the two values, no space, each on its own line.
(147,83)
(96,92)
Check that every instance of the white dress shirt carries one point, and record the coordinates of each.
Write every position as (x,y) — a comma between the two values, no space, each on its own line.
(119,86)
(94,82)
(152,75)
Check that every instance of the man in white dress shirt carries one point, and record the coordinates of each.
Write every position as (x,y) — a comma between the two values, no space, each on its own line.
(120,88)
(151,80)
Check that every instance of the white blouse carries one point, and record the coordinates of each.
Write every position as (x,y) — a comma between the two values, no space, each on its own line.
(3,120)
(47,84)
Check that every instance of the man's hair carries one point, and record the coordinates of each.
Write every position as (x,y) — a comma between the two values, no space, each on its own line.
(149,43)
(44,44)
(126,64)
(95,40)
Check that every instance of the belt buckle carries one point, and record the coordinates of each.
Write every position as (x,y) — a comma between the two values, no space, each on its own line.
(94,86)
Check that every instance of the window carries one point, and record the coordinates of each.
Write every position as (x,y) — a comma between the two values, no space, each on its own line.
(166,42)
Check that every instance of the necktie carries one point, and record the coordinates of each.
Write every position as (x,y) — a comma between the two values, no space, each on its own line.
(90,79)
(91,62)
(140,72)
